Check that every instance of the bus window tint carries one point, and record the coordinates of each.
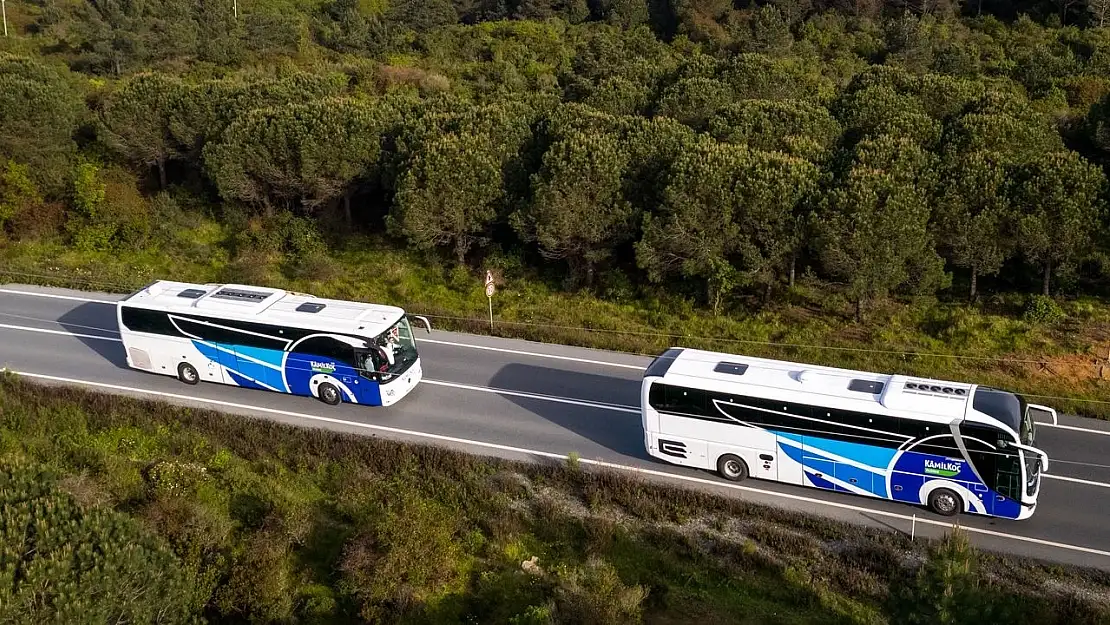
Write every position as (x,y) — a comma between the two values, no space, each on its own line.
(677,399)
(941,446)
(327,347)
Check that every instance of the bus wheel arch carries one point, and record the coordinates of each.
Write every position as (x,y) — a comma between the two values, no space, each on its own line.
(329,394)
(187,373)
(732,467)
(945,502)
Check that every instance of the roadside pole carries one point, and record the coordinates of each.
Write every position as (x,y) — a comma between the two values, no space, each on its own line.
(490,289)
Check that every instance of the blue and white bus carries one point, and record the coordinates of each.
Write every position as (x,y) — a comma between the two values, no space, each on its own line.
(951,447)
(264,338)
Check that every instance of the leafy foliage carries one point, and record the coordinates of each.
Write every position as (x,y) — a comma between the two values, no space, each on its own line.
(61,563)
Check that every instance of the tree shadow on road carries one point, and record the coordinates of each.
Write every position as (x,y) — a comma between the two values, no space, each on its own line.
(91,320)
(618,431)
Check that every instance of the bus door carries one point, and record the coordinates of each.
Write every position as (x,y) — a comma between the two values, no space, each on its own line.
(818,466)
(259,365)
(788,457)
(368,364)
(225,355)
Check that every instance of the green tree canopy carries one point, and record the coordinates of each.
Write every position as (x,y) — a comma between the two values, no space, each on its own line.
(579,212)
(1059,199)
(873,229)
(974,216)
(299,156)
(795,127)
(135,120)
(39,115)
(450,194)
(728,217)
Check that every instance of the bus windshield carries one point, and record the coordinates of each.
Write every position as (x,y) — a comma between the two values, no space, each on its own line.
(1028,429)
(394,350)
(1032,472)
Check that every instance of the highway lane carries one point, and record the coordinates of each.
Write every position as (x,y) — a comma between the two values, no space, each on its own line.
(73,340)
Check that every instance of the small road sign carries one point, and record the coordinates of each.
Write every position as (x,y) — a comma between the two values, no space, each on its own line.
(489,289)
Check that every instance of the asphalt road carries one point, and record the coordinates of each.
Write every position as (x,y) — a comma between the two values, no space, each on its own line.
(534,401)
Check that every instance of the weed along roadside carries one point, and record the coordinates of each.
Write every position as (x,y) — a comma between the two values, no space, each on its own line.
(267,522)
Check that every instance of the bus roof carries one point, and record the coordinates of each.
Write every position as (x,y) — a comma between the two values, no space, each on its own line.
(267,305)
(927,399)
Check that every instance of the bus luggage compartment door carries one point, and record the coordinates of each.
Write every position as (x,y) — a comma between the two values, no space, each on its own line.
(766,466)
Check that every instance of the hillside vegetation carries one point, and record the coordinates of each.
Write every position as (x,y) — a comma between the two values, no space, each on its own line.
(883,177)
(196,514)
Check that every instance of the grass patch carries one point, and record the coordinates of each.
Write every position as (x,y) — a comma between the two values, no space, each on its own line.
(275,523)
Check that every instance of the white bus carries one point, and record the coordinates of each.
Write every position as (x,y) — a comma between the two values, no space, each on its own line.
(949,446)
(271,339)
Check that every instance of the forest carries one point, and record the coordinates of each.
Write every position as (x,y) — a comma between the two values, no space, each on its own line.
(671,159)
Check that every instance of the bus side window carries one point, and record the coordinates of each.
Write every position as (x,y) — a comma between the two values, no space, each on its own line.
(327,347)
(940,446)
(686,400)
(657,396)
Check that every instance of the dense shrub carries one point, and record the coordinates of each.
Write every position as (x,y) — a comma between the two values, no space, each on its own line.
(63,563)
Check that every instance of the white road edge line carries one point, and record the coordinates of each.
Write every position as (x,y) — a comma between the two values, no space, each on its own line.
(454,344)
(547,454)
(1076,480)
(1072,428)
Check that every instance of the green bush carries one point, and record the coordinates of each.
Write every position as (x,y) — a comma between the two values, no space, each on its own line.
(60,563)
(1041,309)
(595,593)
(409,558)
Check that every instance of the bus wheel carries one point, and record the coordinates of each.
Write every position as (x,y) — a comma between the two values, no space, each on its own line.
(732,468)
(329,394)
(945,502)
(187,373)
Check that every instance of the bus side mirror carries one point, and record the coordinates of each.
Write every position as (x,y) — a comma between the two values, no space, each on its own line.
(1050,412)
(427,324)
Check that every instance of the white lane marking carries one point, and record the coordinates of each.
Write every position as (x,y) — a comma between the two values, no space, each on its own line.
(434,341)
(1073,428)
(1076,480)
(561,400)
(497,349)
(45,331)
(56,296)
(536,354)
(484,389)
(557,456)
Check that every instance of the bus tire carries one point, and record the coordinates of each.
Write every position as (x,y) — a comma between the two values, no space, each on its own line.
(732,468)
(945,502)
(187,373)
(329,394)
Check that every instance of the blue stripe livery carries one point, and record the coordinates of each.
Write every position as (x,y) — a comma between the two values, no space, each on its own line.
(286,372)
(832,465)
